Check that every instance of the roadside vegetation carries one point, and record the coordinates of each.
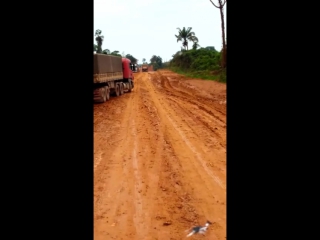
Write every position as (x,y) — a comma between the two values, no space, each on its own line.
(194,61)
(203,63)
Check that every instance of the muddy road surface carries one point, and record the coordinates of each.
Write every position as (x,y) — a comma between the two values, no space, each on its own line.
(160,159)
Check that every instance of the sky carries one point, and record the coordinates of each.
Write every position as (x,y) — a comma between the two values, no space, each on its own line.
(144,28)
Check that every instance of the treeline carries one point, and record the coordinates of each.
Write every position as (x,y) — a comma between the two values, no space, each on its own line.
(98,48)
(197,59)
(203,63)
(155,61)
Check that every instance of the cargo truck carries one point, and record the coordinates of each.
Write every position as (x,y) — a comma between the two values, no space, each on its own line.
(144,67)
(135,68)
(112,75)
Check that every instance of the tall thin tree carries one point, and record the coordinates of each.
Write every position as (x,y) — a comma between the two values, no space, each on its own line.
(99,39)
(220,5)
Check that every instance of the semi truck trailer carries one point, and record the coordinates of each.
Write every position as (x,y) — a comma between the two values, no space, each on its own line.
(112,76)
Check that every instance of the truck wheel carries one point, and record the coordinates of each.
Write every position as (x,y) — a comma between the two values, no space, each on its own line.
(121,89)
(130,86)
(107,93)
(103,92)
(117,90)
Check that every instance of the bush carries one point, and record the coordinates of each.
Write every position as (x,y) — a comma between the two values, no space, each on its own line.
(193,60)
(223,76)
(202,63)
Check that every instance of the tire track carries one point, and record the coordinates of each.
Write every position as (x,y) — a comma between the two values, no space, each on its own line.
(190,168)
(153,178)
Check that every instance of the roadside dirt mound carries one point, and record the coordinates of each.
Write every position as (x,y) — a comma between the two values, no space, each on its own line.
(160,159)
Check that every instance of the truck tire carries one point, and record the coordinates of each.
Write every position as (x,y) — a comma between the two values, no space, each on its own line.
(103,93)
(121,89)
(117,90)
(130,86)
(107,93)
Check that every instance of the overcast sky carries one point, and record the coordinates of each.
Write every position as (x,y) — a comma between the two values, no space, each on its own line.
(144,28)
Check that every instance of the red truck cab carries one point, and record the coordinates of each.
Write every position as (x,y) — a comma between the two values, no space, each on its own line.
(127,69)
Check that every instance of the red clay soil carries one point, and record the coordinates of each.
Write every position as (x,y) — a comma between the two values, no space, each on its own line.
(160,159)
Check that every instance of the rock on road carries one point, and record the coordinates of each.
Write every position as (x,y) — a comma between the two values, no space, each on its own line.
(160,159)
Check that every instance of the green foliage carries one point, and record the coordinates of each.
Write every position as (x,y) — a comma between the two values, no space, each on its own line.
(223,76)
(156,62)
(195,46)
(211,48)
(132,58)
(99,39)
(201,63)
(205,62)
(186,35)
(115,53)
(194,60)
(106,51)
(166,65)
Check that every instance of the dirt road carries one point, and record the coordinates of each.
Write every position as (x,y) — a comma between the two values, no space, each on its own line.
(160,159)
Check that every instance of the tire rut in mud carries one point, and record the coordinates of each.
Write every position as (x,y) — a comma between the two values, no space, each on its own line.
(191,169)
(198,101)
(153,179)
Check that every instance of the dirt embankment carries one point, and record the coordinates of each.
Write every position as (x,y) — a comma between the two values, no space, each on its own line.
(160,159)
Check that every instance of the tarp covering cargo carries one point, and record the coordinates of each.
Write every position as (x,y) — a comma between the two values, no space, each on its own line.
(106,63)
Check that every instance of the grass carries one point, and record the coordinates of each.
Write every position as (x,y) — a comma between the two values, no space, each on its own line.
(219,76)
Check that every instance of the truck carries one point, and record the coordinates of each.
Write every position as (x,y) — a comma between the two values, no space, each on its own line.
(144,67)
(135,68)
(112,75)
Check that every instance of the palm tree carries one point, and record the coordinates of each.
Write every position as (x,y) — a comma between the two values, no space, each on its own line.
(186,35)
(195,45)
(99,39)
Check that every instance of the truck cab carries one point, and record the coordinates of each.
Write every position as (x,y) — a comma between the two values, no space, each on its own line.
(134,67)
(127,67)
(145,68)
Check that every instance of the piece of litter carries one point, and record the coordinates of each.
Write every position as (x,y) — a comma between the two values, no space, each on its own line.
(167,223)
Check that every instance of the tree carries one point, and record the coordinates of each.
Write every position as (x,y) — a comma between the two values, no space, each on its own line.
(156,62)
(211,48)
(106,51)
(220,5)
(197,60)
(132,58)
(186,35)
(195,45)
(99,39)
(95,47)
(115,53)
(143,60)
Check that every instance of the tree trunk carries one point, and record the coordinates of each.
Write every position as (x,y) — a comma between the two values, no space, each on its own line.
(224,55)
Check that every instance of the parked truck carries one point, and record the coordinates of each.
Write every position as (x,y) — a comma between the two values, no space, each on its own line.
(144,67)
(135,68)
(112,75)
